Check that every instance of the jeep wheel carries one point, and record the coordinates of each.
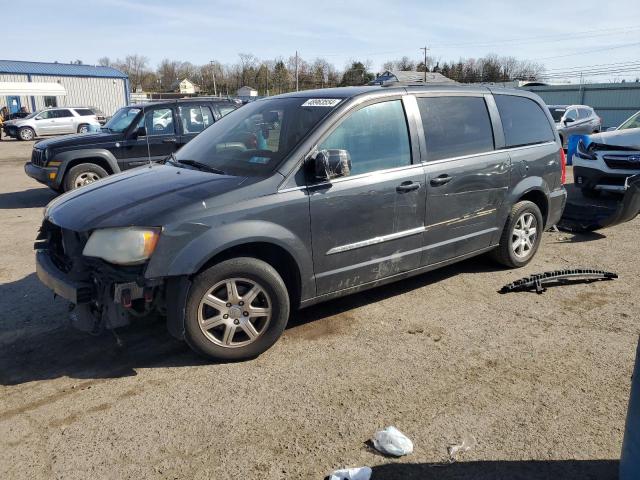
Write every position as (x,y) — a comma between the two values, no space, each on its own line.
(26,133)
(82,175)
(521,235)
(84,128)
(236,309)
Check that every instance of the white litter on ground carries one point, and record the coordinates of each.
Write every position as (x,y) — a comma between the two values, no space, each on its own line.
(392,441)
(468,442)
(358,473)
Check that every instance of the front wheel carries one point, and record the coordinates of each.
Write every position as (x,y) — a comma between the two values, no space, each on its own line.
(82,175)
(26,134)
(236,309)
(84,128)
(521,235)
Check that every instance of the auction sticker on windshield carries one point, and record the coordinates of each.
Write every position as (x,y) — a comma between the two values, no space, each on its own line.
(321,102)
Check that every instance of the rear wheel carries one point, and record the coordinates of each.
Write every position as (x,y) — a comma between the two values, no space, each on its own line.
(26,133)
(236,309)
(521,235)
(82,175)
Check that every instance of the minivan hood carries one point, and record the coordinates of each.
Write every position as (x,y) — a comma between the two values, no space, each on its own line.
(146,196)
(79,139)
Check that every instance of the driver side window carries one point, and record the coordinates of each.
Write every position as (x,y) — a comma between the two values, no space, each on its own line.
(376,137)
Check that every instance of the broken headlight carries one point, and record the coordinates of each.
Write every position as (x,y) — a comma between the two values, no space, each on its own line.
(584,153)
(122,246)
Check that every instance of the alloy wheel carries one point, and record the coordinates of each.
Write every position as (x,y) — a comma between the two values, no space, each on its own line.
(524,235)
(235,312)
(85,179)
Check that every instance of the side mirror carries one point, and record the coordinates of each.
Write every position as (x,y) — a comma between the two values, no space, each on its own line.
(611,129)
(569,120)
(38,117)
(332,164)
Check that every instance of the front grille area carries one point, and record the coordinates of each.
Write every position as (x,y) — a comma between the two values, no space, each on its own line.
(63,245)
(623,162)
(37,157)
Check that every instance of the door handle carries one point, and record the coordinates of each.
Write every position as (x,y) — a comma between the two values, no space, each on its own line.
(170,140)
(408,187)
(441,180)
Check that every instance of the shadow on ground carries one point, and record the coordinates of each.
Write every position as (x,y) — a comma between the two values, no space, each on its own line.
(32,198)
(500,470)
(37,344)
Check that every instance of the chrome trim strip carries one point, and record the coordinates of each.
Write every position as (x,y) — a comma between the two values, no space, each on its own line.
(375,240)
(470,216)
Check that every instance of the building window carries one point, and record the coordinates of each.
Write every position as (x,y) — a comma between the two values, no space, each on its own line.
(50,102)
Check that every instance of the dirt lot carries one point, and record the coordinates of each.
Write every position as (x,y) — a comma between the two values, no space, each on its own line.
(541,381)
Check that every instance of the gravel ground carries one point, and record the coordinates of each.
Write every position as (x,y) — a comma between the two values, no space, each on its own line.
(540,381)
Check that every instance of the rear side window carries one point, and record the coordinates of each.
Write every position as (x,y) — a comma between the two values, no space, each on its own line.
(584,113)
(455,126)
(195,118)
(62,113)
(84,111)
(225,109)
(523,121)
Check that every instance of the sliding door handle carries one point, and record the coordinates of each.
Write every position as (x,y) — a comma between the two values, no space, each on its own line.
(408,187)
(441,180)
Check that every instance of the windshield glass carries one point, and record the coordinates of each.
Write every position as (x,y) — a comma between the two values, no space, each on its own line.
(633,122)
(31,115)
(257,137)
(557,113)
(122,119)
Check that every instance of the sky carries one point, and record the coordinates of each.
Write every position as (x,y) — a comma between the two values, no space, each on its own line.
(560,35)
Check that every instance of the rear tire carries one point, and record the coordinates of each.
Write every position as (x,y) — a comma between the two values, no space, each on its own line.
(242,324)
(521,235)
(83,174)
(26,134)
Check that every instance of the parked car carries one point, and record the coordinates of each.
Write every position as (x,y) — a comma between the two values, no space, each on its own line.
(574,120)
(604,161)
(100,116)
(52,121)
(632,122)
(134,136)
(299,198)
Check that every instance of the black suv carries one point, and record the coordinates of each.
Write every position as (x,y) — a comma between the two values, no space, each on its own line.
(299,198)
(134,136)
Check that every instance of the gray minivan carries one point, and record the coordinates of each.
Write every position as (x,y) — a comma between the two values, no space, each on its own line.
(299,198)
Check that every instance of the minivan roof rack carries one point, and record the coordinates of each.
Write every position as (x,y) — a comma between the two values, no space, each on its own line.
(414,83)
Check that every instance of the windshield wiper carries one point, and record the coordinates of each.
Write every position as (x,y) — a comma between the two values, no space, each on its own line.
(200,166)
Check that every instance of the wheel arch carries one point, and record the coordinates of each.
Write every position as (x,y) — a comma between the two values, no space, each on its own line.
(100,157)
(538,197)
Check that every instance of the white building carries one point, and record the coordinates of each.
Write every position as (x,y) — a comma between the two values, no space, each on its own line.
(84,85)
(185,86)
(247,92)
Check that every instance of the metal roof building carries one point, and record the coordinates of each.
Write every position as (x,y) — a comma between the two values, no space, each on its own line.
(85,85)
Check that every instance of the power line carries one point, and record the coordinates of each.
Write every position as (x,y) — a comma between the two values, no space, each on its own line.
(586,52)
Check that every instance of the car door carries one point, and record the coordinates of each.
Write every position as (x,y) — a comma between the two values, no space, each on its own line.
(64,121)
(368,224)
(194,118)
(466,177)
(45,123)
(151,138)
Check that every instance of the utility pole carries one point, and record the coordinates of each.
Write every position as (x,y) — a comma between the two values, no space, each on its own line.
(296,70)
(425,49)
(213,74)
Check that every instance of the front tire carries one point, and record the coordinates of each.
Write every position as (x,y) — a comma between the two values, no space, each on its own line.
(84,128)
(236,309)
(521,235)
(82,175)
(26,134)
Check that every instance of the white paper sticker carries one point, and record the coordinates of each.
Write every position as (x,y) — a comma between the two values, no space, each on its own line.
(321,102)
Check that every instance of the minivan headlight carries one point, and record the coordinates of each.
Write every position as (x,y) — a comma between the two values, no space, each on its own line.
(122,246)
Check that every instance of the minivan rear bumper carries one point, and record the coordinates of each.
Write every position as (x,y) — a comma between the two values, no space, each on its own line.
(557,202)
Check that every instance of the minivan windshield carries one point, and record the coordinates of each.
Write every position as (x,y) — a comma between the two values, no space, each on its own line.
(253,140)
(121,120)
(557,113)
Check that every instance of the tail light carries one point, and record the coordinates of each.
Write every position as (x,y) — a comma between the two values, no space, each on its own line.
(563,166)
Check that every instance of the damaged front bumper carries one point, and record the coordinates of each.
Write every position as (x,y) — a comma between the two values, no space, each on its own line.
(104,296)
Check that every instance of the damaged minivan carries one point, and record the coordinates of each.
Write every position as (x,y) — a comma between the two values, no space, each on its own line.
(299,198)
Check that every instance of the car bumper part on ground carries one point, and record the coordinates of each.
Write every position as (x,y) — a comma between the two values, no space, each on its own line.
(74,291)
(42,174)
(594,179)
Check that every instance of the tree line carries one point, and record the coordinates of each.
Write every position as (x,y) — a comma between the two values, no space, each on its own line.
(279,75)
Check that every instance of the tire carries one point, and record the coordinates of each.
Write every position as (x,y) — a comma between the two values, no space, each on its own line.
(506,253)
(83,174)
(26,134)
(83,128)
(590,192)
(227,338)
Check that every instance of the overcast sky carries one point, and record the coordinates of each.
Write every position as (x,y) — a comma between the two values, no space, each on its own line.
(559,34)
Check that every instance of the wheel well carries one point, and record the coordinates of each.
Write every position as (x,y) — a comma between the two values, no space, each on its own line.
(540,199)
(98,161)
(272,254)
